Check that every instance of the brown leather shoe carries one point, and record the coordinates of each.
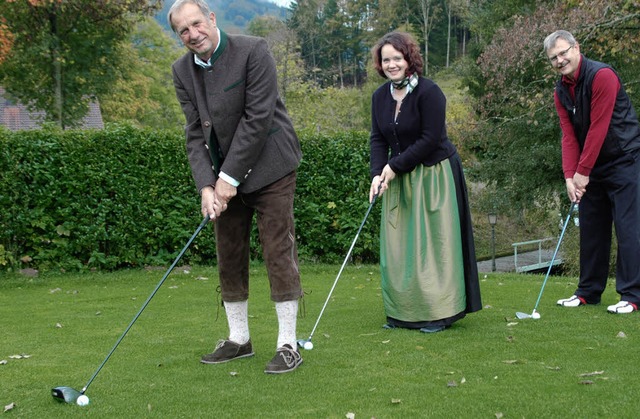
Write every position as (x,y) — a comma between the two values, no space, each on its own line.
(286,359)
(226,351)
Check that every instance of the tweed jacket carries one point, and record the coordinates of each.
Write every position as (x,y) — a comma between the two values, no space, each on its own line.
(236,102)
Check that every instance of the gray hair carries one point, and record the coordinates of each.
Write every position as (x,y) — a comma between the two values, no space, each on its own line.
(550,41)
(177,5)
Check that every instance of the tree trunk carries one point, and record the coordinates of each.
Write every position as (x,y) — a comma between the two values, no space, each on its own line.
(340,72)
(448,34)
(426,10)
(57,65)
(464,42)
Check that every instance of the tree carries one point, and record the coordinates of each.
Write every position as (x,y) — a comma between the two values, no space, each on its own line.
(335,36)
(336,43)
(455,10)
(390,14)
(449,11)
(143,91)
(484,17)
(306,22)
(66,53)
(346,23)
(429,11)
(285,49)
(460,8)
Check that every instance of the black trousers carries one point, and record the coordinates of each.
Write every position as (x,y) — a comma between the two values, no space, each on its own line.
(612,197)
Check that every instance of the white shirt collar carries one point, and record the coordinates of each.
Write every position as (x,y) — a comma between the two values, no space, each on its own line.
(207,64)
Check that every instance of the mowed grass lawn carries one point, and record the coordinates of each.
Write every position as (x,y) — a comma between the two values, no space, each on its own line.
(57,329)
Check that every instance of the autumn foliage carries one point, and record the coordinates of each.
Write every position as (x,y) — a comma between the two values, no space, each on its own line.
(6,40)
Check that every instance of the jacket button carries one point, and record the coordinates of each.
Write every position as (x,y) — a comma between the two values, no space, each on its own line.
(207,124)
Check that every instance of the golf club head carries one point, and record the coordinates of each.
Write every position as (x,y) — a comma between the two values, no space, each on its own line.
(65,394)
(522,315)
(301,342)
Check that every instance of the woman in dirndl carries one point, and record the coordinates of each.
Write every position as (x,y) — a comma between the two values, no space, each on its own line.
(429,274)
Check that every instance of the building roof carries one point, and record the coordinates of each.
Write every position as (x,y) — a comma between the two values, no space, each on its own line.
(15,116)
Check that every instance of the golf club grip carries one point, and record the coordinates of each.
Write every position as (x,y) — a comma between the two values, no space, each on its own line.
(375,196)
(184,249)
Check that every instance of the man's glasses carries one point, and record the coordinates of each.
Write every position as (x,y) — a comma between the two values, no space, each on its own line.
(561,54)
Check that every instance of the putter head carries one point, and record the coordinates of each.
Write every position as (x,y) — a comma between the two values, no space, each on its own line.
(522,315)
(65,394)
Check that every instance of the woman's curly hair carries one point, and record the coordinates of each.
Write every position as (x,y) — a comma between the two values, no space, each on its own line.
(404,43)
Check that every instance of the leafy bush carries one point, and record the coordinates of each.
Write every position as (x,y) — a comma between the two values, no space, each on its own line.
(332,199)
(124,197)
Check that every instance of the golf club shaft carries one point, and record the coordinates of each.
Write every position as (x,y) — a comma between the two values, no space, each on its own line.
(553,258)
(346,259)
(184,249)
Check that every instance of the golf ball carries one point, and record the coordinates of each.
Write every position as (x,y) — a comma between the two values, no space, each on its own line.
(535,315)
(308,345)
(82,400)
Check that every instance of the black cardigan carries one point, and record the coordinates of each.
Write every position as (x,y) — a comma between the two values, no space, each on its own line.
(419,134)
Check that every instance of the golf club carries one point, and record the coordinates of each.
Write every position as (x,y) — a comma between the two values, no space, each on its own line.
(306,343)
(71,395)
(534,314)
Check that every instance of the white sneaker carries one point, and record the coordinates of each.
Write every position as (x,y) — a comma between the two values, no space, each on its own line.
(623,307)
(573,301)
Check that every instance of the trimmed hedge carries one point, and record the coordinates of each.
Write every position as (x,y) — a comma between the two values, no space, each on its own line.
(124,197)
(332,199)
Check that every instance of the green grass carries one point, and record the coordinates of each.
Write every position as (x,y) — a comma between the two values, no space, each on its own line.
(488,365)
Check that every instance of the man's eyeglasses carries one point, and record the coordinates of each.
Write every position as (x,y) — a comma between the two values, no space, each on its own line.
(561,54)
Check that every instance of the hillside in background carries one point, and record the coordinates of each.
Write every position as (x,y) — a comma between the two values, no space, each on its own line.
(232,16)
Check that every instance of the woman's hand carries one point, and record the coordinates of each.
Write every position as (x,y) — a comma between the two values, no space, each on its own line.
(380,183)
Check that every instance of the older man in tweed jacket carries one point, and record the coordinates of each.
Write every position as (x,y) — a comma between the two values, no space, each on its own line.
(243,153)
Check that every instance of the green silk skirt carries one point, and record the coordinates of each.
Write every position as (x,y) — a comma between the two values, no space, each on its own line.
(421,248)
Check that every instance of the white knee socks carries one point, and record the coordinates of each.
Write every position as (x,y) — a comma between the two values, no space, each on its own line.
(238,320)
(287,312)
